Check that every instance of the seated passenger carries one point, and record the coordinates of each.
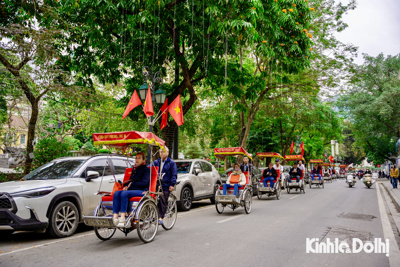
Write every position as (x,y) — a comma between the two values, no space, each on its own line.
(315,172)
(326,172)
(235,179)
(134,187)
(295,172)
(269,175)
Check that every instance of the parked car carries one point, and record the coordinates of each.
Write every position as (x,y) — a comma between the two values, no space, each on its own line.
(198,180)
(55,196)
(257,173)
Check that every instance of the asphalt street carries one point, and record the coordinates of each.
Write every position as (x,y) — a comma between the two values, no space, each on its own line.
(273,234)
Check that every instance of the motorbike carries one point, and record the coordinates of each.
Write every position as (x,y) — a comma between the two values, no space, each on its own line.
(351,180)
(367,180)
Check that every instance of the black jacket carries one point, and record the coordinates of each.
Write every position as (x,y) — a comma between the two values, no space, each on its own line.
(272,171)
(316,171)
(294,173)
(249,166)
(140,178)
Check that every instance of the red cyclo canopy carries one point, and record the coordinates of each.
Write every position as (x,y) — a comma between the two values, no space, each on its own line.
(269,155)
(230,151)
(294,157)
(123,139)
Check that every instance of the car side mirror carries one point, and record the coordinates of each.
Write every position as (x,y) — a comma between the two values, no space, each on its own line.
(196,171)
(91,175)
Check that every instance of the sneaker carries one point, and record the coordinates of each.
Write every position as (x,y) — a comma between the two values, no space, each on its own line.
(121,222)
(160,222)
(115,221)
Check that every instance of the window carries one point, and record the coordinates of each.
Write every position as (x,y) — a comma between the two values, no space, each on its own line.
(183,166)
(120,166)
(22,139)
(206,166)
(55,170)
(101,166)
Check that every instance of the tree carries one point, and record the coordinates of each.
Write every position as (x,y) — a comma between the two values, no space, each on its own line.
(371,104)
(186,38)
(30,56)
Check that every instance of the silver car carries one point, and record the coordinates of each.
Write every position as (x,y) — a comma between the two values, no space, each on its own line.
(55,196)
(198,180)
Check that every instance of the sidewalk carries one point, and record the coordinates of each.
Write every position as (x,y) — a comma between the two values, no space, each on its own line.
(394,192)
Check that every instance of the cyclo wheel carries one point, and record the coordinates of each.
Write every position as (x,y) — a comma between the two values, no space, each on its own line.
(278,192)
(147,221)
(171,214)
(259,194)
(247,202)
(219,207)
(101,232)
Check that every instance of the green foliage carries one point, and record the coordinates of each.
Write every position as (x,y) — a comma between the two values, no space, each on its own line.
(89,146)
(48,149)
(73,143)
(372,106)
(106,151)
(193,151)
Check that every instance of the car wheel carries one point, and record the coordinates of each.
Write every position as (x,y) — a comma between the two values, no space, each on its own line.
(186,199)
(212,199)
(64,220)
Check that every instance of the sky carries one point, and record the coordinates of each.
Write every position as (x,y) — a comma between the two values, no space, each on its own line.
(374,27)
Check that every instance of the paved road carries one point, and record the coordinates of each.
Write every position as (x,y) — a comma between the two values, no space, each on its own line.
(274,234)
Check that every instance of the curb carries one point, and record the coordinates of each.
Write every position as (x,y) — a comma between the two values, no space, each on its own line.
(396,201)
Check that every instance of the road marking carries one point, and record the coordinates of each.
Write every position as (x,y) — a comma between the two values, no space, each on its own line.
(394,253)
(230,219)
(293,197)
(48,243)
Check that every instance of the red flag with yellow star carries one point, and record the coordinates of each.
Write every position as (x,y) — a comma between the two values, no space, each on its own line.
(175,109)
(133,103)
(148,104)
(164,116)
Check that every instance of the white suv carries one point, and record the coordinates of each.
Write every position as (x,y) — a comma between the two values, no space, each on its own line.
(197,180)
(55,196)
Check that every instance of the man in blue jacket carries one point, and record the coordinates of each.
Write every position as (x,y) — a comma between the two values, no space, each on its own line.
(168,167)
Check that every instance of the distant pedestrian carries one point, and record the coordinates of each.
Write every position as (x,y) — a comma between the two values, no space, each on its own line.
(394,174)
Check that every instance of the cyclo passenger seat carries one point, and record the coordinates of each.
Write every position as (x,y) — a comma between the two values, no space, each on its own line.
(301,177)
(230,190)
(107,201)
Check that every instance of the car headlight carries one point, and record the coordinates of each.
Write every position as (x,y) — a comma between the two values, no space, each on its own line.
(37,192)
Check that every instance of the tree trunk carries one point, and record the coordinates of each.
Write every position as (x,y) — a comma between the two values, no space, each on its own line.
(31,136)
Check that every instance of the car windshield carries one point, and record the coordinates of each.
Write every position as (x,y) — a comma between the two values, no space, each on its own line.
(55,170)
(183,167)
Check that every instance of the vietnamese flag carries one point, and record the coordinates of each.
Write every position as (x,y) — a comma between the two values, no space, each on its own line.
(291,148)
(148,104)
(331,158)
(133,103)
(176,110)
(164,114)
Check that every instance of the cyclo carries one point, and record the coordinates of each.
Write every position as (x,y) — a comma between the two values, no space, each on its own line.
(327,177)
(276,189)
(342,171)
(144,211)
(245,194)
(294,185)
(316,180)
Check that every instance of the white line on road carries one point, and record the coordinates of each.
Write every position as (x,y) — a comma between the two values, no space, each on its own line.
(293,197)
(394,253)
(229,219)
(48,243)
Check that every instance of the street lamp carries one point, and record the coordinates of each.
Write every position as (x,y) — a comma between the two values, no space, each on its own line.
(159,96)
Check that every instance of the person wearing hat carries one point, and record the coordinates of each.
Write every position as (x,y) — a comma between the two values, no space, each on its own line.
(167,167)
